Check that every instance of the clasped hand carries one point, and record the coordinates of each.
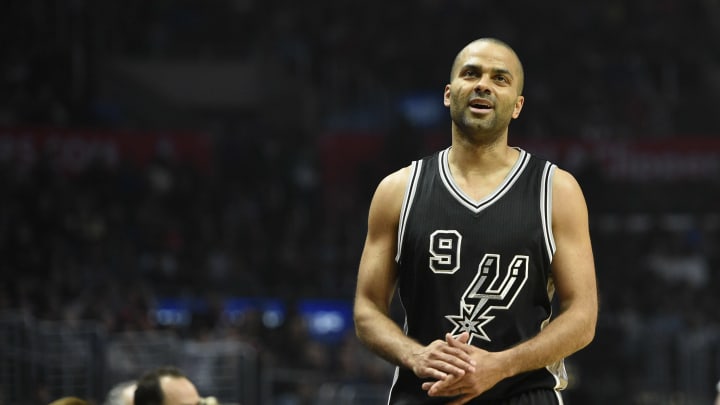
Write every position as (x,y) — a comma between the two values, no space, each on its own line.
(457,369)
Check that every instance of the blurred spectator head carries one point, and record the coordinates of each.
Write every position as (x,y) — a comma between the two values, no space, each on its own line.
(121,394)
(165,385)
(69,401)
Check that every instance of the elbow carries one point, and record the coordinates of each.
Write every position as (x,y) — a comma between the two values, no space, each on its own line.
(589,330)
(361,335)
(584,327)
(589,337)
(360,320)
(358,328)
(585,320)
(369,321)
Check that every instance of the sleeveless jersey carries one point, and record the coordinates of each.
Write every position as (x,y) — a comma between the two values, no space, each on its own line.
(481,267)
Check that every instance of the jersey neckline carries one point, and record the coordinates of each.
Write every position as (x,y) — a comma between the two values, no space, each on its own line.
(474,205)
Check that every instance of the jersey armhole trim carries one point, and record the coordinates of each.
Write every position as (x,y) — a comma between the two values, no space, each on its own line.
(546,208)
(415,169)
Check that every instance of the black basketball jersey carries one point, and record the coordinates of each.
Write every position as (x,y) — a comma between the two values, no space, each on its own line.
(481,267)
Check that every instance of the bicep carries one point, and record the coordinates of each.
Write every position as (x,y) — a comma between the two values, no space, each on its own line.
(377,273)
(573,264)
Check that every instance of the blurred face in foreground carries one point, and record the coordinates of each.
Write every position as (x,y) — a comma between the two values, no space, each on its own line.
(179,391)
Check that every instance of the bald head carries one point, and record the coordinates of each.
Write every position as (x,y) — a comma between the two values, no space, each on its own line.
(463,55)
(166,386)
(121,394)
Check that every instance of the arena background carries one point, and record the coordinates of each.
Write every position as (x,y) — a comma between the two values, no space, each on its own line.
(187,182)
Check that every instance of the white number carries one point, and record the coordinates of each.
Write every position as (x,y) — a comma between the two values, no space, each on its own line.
(445,251)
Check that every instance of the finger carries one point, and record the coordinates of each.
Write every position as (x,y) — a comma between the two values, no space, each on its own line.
(463,337)
(459,393)
(433,373)
(459,341)
(441,385)
(457,365)
(461,349)
(461,361)
(446,359)
(453,369)
(436,389)
(447,387)
(451,361)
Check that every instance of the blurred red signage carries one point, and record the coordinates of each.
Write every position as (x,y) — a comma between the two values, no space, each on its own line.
(666,159)
(72,150)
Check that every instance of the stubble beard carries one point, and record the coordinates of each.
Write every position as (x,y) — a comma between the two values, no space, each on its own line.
(487,130)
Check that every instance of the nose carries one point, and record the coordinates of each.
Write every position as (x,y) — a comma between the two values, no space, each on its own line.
(482,85)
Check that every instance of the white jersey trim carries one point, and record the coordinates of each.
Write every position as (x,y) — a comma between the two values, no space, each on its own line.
(557,370)
(415,169)
(546,208)
(464,199)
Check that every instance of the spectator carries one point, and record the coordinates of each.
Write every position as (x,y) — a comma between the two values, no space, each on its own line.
(165,386)
(121,394)
(69,401)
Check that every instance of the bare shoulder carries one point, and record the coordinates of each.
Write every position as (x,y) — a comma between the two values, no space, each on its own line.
(565,182)
(566,190)
(569,209)
(387,201)
(391,189)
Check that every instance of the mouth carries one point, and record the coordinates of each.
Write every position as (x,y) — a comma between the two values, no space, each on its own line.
(480,104)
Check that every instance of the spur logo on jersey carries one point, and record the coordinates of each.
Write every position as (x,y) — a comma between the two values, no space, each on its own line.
(493,289)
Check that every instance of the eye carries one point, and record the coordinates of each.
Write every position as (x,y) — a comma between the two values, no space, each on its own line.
(469,73)
(501,78)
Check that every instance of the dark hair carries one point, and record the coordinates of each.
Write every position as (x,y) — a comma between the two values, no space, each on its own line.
(149,391)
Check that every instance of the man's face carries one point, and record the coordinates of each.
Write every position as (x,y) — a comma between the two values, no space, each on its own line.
(179,391)
(483,95)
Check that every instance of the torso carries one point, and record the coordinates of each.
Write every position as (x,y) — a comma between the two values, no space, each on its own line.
(478,263)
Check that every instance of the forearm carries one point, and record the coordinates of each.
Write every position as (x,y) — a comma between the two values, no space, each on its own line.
(569,332)
(383,336)
(574,280)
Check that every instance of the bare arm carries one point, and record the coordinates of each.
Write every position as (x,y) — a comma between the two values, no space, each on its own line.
(574,275)
(377,278)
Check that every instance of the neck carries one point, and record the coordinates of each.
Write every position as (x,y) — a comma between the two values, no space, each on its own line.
(491,152)
(480,170)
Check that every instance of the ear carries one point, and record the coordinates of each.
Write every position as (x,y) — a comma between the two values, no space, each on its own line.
(446,96)
(518,106)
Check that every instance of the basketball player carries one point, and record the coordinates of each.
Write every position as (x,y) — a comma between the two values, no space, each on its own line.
(478,238)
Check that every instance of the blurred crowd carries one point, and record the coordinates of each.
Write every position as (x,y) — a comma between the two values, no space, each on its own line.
(107,243)
(608,69)
(104,243)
